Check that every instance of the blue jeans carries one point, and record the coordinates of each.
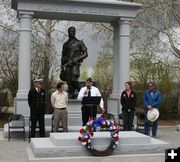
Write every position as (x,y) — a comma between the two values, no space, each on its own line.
(147,125)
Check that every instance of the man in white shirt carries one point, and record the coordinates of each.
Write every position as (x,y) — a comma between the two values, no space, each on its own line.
(59,101)
(89,111)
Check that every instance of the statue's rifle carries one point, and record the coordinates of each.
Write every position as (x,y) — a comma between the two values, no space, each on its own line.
(62,67)
(70,62)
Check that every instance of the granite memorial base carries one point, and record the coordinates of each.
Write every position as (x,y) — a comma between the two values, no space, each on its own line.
(67,144)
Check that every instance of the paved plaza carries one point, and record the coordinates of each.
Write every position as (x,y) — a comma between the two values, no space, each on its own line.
(18,150)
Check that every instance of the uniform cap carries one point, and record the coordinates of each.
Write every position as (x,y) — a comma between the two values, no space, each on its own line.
(38,81)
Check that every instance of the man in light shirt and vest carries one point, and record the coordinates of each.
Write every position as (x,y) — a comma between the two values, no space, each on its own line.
(88,91)
(59,101)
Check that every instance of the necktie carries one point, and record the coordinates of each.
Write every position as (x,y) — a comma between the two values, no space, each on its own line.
(89,93)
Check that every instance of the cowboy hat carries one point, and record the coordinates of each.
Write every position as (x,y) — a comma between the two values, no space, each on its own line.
(152,115)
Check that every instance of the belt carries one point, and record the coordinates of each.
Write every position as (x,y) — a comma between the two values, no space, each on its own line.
(64,108)
(89,105)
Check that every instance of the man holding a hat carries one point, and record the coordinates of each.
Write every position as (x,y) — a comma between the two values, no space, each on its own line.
(152,100)
(36,98)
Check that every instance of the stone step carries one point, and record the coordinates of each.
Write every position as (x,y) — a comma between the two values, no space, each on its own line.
(178,128)
(74,114)
(74,105)
(18,132)
(74,102)
(74,119)
(70,139)
(47,117)
(67,144)
(74,109)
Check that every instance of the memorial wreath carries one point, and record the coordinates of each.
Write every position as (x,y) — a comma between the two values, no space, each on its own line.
(87,133)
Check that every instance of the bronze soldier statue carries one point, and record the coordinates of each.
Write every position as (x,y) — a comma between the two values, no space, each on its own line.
(73,53)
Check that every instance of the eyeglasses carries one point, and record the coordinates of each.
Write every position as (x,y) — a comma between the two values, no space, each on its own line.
(150,86)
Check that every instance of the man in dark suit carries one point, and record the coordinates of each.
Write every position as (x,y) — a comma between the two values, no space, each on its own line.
(36,99)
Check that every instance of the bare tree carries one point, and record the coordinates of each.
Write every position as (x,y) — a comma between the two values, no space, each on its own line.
(8,61)
(102,72)
(44,54)
(83,72)
(158,20)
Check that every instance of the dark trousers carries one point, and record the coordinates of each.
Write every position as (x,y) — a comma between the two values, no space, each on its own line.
(88,112)
(128,118)
(147,125)
(40,118)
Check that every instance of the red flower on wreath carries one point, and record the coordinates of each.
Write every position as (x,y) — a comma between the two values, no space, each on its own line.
(87,131)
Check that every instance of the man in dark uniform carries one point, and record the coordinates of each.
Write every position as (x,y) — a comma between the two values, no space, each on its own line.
(74,51)
(36,99)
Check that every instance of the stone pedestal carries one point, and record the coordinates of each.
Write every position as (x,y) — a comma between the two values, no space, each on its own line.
(74,113)
(67,144)
(114,106)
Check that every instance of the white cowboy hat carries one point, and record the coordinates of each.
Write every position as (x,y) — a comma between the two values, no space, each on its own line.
(152,115)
